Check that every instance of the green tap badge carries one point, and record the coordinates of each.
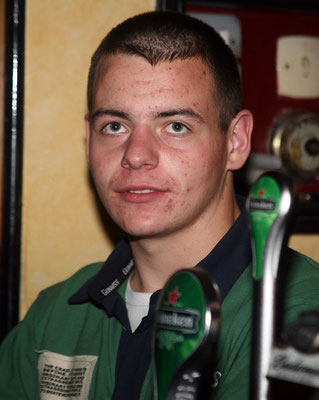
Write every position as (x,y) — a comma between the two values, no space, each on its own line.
(263,208)
(182,327)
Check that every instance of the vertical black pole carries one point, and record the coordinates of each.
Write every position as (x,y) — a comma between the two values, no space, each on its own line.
(171,5)
(12,167)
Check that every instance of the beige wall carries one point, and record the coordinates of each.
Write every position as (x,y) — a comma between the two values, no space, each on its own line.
(61,227)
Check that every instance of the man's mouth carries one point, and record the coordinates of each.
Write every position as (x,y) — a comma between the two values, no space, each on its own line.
(142,191)
(140,194)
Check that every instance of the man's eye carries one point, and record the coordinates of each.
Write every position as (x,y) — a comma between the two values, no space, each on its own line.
(113,128)
(176,128)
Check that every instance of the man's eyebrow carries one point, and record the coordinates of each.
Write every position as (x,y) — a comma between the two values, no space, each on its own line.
(180,111)
(109,111)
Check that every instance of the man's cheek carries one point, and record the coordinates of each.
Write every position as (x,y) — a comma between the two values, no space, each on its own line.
(169,206)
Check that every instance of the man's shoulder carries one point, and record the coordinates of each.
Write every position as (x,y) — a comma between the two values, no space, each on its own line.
(302,285)
(301,268)
(78,278)
(52,308)
(65,289)
(295,258)
(301,277)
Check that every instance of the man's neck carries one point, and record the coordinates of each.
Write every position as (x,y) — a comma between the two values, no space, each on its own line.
(157,258)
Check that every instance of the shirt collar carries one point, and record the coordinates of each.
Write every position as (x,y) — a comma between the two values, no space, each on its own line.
(225,263)
(113,273)
(232,254)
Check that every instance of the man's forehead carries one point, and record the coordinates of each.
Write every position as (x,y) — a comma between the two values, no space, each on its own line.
(123,72)
(180,85)
(135,76)
(200,67)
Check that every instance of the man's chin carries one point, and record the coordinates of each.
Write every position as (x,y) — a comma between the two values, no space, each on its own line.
(139,226)
(140,233)
(134,236)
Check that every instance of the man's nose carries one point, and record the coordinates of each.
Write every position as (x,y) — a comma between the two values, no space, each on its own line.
(141,149)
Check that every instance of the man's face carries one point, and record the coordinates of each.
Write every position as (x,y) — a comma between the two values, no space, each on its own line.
(156,153)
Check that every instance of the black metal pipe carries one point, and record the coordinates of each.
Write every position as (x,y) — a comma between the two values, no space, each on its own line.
(171,5)
(12,166)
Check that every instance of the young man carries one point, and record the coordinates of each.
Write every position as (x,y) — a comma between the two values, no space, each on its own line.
(165,131)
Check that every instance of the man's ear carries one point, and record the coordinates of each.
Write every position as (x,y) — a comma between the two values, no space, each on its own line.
(239,139)
(88,137)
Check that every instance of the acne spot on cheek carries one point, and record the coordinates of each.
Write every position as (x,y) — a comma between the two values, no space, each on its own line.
(186,164)
(169,206)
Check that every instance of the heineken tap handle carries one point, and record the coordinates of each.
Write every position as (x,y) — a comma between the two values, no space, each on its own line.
(269,207)
(185,337)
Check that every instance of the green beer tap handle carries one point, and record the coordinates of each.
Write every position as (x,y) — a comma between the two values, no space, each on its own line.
(269,207)
(186,332)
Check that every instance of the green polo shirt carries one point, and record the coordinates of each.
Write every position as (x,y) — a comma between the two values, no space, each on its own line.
(75,346)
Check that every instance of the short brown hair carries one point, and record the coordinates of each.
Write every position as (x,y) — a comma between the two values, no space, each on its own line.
(161,36)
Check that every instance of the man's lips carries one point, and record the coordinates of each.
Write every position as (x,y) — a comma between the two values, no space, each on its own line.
(140,189)
(141,194)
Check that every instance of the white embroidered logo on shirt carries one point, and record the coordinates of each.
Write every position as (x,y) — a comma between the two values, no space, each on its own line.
(63,377)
